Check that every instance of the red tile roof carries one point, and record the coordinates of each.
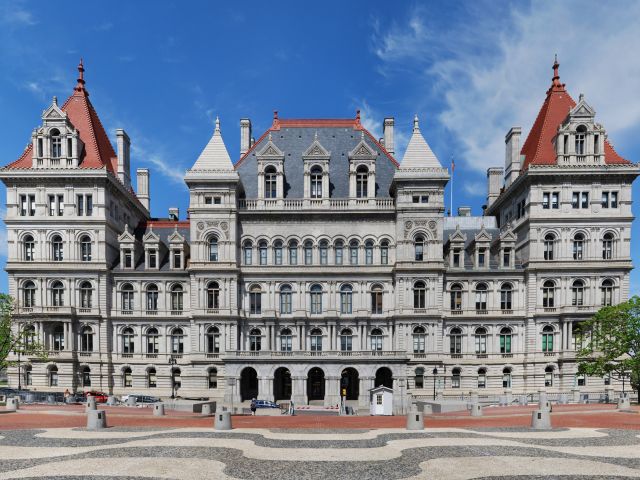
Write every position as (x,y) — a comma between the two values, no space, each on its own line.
(539,149)
(98,151)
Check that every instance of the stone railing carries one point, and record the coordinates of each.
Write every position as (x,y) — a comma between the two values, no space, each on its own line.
(333,204)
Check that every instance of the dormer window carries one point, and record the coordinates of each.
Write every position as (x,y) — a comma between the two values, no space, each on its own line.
(580,140)
(177,259)
(456,258)
(270,183)
(153,258)
(362,187)
(316,182)
(56,143)
(127,255)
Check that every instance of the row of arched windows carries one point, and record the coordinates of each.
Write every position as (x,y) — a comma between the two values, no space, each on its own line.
(151,340)
(151,378)
(57,294)
(578,290)
(316,337)
(579,243)
(127,298)
(480,296)
(481,377)
(56,251)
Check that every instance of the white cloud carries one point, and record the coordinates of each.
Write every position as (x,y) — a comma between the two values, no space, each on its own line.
(14,14)
(158,159)
(372,119)
(493,76)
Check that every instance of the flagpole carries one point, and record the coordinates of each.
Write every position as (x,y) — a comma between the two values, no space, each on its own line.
(451,190)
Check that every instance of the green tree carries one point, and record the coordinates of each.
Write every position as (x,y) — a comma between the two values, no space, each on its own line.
(14,337)
(611,342)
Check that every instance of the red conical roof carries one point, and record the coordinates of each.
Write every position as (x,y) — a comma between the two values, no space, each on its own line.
(98,151)
(539,148)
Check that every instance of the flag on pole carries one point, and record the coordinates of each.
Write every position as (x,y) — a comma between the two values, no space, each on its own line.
(453,164)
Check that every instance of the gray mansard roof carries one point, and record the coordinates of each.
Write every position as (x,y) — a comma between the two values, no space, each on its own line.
(338,137)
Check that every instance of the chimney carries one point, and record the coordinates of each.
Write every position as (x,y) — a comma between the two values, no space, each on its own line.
(464,211)
(387,133)
(512,156)
(494,182)
(245,135)
(174,213)
(123,144)
(142,175)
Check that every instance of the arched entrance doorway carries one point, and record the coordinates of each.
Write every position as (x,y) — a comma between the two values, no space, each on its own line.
(384,377)
(282,384)
(248,384)
(315,384)
(350,381)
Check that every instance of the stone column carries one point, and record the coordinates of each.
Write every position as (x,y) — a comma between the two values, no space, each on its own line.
(366,384)
(332,391)
(298,390)
(265,390)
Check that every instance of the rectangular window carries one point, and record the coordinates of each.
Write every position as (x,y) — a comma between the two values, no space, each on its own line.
(263,255)
(32,205)
(605,199)
(596,144)
(481,257)
(23,205)
(614,199)
(339,255)
(217,200)
(308,255)
(416,199)
(153,256)
(80,205)
(575,200)
(384,255)
(323,255)
(285,303)
(255,303)
(506,257)
(286,343)
(128,259)
(208,200)
(89,205)
(177,259)
(277,255)
(456,257)
(555,200)
(545,200)
(52,205)
(585,200)
(353,252)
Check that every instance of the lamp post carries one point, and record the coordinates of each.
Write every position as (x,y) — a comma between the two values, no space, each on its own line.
(172,362)
(435,372)
(19,373)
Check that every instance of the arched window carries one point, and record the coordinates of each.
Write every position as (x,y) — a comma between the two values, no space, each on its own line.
(213,340)
(29,294)
(578,246)
(153,341)
(263,250)
(56,143)
(505,340)
(607,246)
(346,299)
(547,339)
(255,340)
(506,292)
(549,241)
(346,340)
(286,297)
(506,378)
(419,340)
(376,299)
(606,291)
(57,294)
(481,340)
(286,340)
(28,248)
(418,246)
(324,252)
(580,140)
(339,251)
(255,300)
(85,248)
(481,297)
(368,252)
(213,295)
(384,252)
(177,341)
(277,252)
(482,378)
(548,294)
(152,298)
(127,297)
(455,341)
(353,252)
(419,377)
(376,340)
(293,252)
(316,299)
(270,182)
(548,376)
(151,378)
(316,182)
(212,376)
(58,338)
(316,340)
(213,249)
(86,294)
(247,248)
(362,183)
(86,377)
(53,376)
(577,293)
(308,252)
(128,340)
(127,377)
(176,298)
(420,294)
(456,297)
(455,378)
(57,248)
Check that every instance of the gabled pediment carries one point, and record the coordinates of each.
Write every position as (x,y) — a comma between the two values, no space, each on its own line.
(457,236)
(53,112)
(270,151)
(483,236)
(507,235)
(151,237)
(363,151)
(176,237)
(582,110)
(126,236)
(316,151)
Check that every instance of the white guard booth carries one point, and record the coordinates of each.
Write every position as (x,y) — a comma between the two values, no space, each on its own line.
(381,399)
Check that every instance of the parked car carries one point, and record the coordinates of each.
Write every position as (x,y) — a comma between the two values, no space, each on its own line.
(140,398)
(266,404)
(100,397)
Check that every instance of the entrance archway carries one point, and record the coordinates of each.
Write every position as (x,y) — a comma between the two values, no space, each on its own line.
(248,384)
(384,377)
(282,384)
(315,384)
(350,381)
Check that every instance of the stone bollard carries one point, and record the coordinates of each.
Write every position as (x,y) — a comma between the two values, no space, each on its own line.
(427,409)
(502,401)
(222,421)
(111,400)
(543,401)
(624,402)
(96,419)
(509,396)
(206,409)
(609,392)
(51,399)
(476,410)
(158,410)
(91,404)
(415,420)
(131,401)
(575,395)
(13,404)
(541,420)
(473,397)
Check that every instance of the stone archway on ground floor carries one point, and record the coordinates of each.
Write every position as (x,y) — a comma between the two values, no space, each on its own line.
(350,381)
(248,384)
(282,384)
(315,384)
(384,377)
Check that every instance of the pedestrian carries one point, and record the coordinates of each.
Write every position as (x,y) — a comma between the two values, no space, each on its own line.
(67,394)
(253,406)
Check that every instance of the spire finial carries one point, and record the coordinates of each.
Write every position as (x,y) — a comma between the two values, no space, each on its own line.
(269,135)
(556,73)
(80,84)
(416,125)
(275,114)
(55,100)
(315,137)
(217,124)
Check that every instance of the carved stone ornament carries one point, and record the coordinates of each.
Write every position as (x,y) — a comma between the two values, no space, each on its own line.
(200,225)
(432,225)
(408,225)
(224,226)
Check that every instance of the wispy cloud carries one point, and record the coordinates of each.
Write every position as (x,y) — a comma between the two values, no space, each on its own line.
(13,13)
(161,162)
(492,78)
(104,27)
(372,120)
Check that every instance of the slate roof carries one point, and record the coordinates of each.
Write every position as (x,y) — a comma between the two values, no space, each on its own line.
(338,136)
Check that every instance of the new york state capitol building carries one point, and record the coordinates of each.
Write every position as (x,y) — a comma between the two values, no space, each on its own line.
(317,255)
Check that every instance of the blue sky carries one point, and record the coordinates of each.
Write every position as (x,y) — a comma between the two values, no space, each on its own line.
(164,70)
